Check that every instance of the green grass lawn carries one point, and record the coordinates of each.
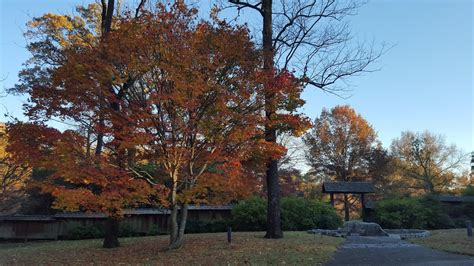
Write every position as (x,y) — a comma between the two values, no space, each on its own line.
(451,240)
(200,249)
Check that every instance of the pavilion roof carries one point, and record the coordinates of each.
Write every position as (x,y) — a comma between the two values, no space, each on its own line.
(450,198)
(348,187)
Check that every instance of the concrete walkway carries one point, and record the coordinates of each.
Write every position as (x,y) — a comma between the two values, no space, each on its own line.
(359,250)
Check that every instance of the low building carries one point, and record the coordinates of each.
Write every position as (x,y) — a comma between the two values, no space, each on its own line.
(449,199)
(142,221)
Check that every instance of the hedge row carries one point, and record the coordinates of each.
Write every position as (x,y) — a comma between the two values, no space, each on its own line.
(421,213)
(297,214)
(98,231)
(248,215)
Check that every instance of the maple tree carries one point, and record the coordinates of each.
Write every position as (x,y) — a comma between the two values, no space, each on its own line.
(77,181)
(197,107)
(63,83)
(291,182)
(340,146)
(161,91)
(196,99)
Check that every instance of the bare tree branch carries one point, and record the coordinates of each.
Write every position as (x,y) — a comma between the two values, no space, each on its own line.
(247,4)
(139,7)
(312,38)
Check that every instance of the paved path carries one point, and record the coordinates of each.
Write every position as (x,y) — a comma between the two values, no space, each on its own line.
(359,250)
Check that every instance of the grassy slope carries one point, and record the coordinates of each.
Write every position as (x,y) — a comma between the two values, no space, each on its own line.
(452,240)
(247,248)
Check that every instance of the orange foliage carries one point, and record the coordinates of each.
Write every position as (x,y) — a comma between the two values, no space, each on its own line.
(165,90)
(340,144)
(78,182)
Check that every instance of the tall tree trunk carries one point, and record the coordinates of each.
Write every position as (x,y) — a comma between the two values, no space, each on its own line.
(174,215)
(177,225)
(346,208)
(273,186)
(112,223)
(184,218)
(429,186)
(112,226)
(178,240)
(173,224)
(273,207)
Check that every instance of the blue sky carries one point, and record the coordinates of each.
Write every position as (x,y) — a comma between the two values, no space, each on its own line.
(425,81)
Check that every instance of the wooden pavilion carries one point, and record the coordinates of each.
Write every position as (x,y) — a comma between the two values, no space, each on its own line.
(360,188)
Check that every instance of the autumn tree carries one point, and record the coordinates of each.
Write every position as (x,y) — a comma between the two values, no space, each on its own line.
(312,38)
(198,106)
(196,98)
(164,90)
(340,146)
(76,181)
(291,181)
(36,201)
(13,177)
(426,164)
(381,171)
(62,83)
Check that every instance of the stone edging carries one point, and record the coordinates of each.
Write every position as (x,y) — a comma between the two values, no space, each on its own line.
(403,233)
(409,233)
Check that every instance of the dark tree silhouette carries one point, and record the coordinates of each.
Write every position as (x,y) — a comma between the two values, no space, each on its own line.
(312,38)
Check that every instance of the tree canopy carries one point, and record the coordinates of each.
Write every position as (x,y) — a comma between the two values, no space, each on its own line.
(426,164)
(341,147)
(171,104)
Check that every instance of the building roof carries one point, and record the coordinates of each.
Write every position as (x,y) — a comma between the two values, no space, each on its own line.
(81,215)
(210,207)
(449,198)
(348,187)
(27,218)
(98,215)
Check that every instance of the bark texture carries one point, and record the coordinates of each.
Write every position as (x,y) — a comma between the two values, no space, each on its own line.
(273,186)
(111,233)
(178,217)
(178,225)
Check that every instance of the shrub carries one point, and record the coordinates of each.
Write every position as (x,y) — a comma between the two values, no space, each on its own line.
(250,215)
(127,230)
(468,210)
(400,213)
(459,214)
(297,214)
(85,232)
(436,214)
(207,226)
(469,191)
(468,207)
(329,218)
(97,230)
(156,230)
(302,214)
(418,213)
